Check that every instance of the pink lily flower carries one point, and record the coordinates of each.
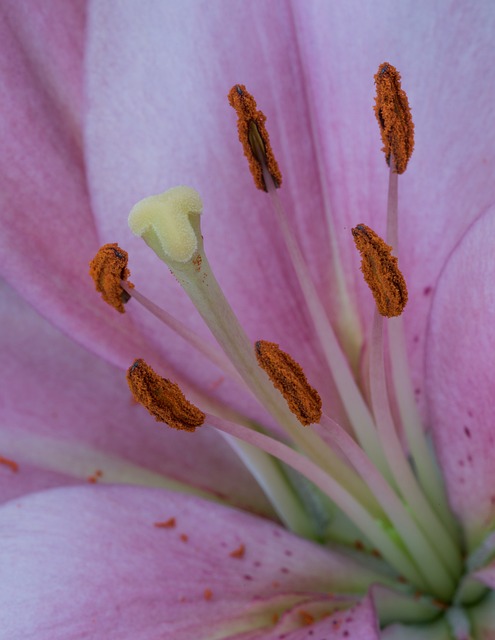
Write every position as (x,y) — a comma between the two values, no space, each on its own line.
(115,527)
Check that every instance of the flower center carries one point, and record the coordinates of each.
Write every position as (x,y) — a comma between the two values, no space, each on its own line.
(377,471)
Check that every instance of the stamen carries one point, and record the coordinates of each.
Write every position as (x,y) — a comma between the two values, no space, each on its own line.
(381,272)
(289,378)
(394,116)
(163,398)
(108,268)
(254,136)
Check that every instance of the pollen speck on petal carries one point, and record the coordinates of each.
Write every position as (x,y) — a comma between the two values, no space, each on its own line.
(163,398)
(239,552)
(394,116)
(108,268)
(289,378)
(381,271)
(13,466)
(166,524)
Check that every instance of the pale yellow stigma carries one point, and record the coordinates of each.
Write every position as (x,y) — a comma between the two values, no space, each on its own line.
(169,223)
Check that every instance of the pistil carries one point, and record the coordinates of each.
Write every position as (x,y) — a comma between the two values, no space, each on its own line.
(193,271)
(191,268)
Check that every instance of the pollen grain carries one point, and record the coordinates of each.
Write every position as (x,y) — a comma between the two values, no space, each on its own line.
(108,268)
(163,398)
(381,271)
(254,137)
(394,117)
(289,378)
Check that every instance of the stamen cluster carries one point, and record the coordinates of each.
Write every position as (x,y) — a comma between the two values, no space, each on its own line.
(383,479)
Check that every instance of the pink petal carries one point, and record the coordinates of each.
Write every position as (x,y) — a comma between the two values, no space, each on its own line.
(62,408)
(358,622)
(91,561)
(47,228)
(460,376)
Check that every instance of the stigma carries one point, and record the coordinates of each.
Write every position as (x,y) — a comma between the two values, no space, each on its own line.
(167,222)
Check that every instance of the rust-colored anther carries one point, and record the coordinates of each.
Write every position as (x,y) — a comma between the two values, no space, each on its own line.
(108,268)
(163,398)
(254,136)
(381,272)
(289,378)
(394,116)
